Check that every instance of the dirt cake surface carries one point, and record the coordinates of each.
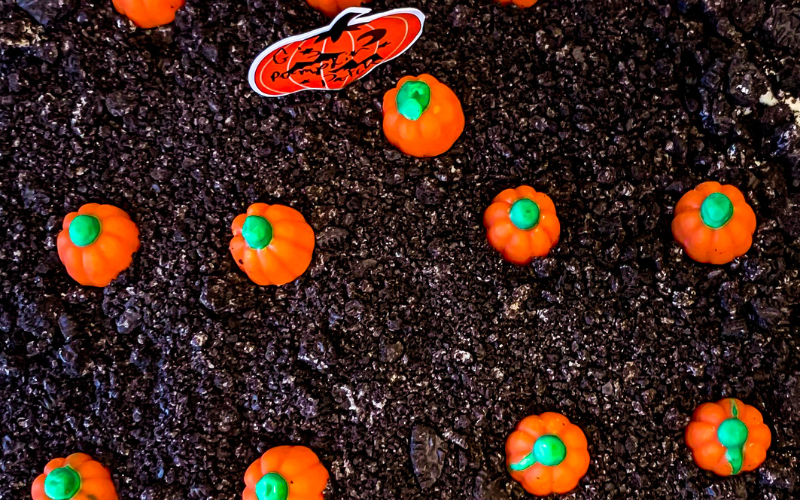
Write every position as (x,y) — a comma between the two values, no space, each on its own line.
(409,350)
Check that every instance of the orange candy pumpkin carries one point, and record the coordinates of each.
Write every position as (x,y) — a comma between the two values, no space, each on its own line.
(523,4)
(547,454)
(713,223)
(76,477)
(728,437)
(97,243)
(148,13)
(273,244)
(421,116)
(286,473)
(332,8)
(522,224)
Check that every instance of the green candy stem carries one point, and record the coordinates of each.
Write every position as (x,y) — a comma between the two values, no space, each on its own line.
(62,483)
(548,450)
(413,99)
(272,487)
(524,214)
(257,231)
(732,434)
(716,210)
(735,457)
(84,230)
(527,461)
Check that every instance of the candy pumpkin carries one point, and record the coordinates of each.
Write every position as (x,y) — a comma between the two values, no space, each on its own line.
(76,477)
(332,7)
(286,473)
(421,116)
(97,243)
(523,4)
(148,13)
(728,437)
(713,223)
(272,244)
(547,454)
(522,224)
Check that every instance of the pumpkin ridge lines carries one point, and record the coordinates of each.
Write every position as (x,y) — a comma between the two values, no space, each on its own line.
(264,256)
(94,255)
(273,254)
(297,246)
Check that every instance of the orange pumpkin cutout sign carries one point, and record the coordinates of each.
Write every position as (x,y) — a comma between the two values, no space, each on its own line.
(728,437)
(97,243)
(273,244)
(521,224)
(334,56)
(76,477)
(333,7)
(286,473)
(713,223)
(421,116)
(148,13)
(547,454)
(522,4)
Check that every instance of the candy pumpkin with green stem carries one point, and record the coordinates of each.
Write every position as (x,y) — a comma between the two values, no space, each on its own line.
(332,8)
(421,116)
(148,13)
(76,477)
(523,4)
(728,437)
(713,223)
(97,243)
(286,473)
(547,454)
(273,244)
(522,224)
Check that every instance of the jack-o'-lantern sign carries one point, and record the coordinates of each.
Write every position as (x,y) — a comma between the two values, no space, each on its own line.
(335,56)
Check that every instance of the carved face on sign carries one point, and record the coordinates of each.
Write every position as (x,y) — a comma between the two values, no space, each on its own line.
(338,54)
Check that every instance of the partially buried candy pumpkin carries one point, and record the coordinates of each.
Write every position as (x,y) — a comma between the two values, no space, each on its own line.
(547,454)
(713,223)
(273,244)
(524,4)
(76,477)
(421,116)
(522,224)
(97,243)
(148,13)
(333,7)
(286,473)
(728,437)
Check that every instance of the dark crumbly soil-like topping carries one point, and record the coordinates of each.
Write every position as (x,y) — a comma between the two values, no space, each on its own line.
(182,372)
